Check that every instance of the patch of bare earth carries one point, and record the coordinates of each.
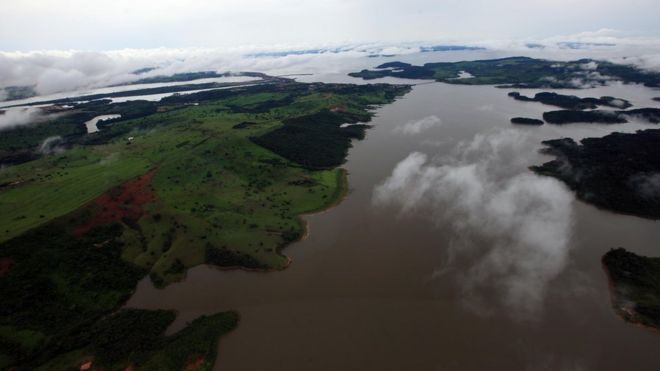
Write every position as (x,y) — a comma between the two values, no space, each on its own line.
(195,364)
(122,203)
(6,265)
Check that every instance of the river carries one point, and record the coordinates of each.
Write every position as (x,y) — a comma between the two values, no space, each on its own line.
(377,286)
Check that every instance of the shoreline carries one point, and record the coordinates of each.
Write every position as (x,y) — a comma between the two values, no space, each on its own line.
(614,299)
(340,195)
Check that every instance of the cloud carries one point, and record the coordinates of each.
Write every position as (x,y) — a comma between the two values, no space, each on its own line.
(591,66)
(68,70)
(63,71)
(51,145)
(511,228)
(415,127)
(647,185)
(20,116)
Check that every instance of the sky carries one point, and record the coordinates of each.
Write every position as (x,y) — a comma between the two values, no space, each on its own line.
(67,45)
(97,25)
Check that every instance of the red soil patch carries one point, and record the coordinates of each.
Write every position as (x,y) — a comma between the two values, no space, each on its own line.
(338,109)
(123,202)
(195,364)
(6,264)
(85,366)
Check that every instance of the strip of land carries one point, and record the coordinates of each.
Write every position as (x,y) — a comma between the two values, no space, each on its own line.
(572,102)
(560,117)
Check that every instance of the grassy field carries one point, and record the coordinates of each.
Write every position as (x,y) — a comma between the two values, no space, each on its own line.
(156,195)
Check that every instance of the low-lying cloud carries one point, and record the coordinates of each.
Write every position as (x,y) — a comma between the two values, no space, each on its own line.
(511,228)
(14,117)
(52,145)
(69,70)
(415,127)
(647,185)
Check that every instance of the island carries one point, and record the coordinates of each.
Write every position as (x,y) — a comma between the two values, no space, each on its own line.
(634,283)
(619,172)
(572,102)
(560,117)
(518,72)
(526,121)
(217,177)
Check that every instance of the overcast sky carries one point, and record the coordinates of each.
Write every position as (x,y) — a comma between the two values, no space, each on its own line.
(104,25)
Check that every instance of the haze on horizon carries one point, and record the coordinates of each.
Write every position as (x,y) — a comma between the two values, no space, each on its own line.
(96,25)
(76,44)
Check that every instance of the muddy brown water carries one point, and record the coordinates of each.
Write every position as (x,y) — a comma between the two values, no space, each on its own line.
(362,292)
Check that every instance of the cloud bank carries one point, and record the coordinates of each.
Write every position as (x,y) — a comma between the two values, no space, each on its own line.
(511,230)
(415,127)
(14,117)
(70,70)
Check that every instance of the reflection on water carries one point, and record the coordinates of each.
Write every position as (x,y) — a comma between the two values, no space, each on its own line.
(372,288)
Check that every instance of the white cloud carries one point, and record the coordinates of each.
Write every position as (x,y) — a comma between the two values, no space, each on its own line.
(513,227)
(51,145)
(415,127)
(59,71)
(14,117)
(205,23)
(647,185)
(67,70)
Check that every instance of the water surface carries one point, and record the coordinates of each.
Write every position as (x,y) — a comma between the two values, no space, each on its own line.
(91,124)
(370,289)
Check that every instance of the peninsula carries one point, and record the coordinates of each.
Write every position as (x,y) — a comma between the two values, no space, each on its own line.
(216,177)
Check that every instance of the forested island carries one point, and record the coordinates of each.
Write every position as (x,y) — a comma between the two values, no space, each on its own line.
(572,102)
(634,286)
(651,115)
(518,72)
(168,186)
(618,172)
(526,121)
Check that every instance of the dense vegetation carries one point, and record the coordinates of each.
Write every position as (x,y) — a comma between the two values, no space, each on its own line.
(24,143)
(635,286)
(518,72)
(572,102)
(315,141)
(167,187)
(135,338)
(601,116)
(618,172)
(526,121)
